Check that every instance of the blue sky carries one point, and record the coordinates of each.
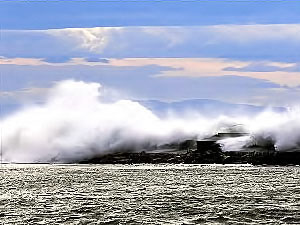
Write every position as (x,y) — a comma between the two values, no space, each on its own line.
(94,13)
(235,51)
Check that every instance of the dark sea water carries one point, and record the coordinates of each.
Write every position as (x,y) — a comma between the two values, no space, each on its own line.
(149,194)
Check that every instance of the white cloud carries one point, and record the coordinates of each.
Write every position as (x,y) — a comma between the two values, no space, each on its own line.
(98,38)
(255,32)
(171,35)
(229,32)
(258,40)
(93,39)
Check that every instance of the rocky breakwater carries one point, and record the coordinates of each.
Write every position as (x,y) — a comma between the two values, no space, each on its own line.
(200,152)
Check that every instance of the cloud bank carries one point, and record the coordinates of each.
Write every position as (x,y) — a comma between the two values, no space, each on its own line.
(273,42)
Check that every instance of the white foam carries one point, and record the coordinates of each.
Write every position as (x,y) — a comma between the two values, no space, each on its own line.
(75,123)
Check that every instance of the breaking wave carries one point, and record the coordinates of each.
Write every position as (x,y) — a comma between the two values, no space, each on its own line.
(75,123)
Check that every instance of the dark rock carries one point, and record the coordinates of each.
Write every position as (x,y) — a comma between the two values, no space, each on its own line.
(206,152)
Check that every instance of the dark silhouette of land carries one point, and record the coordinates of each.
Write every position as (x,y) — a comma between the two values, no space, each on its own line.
(203,152)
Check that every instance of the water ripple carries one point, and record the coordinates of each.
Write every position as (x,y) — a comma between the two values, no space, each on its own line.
(149,194)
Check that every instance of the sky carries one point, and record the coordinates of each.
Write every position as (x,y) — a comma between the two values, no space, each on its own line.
(236,51)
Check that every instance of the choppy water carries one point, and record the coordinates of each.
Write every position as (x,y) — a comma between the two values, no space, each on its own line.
(149,194)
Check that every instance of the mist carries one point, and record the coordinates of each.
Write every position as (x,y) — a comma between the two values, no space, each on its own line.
(75,123)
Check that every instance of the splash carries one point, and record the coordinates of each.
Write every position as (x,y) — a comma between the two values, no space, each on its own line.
(75,123)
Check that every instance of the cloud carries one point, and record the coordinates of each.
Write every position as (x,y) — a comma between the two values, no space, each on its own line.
(216,67)
(53,61)
(266,67)
(21,61)
(241,42)
(255,32)
(142,82)
(276,72)
(164,78)
(92,39)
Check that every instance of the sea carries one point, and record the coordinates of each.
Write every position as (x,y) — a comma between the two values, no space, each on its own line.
(149,194)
